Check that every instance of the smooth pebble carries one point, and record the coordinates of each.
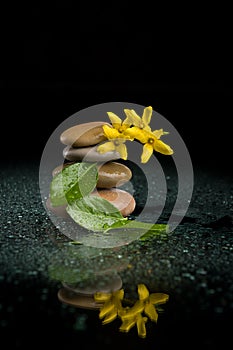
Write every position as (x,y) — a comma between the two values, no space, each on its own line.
(88,154)
(113,174)
(121,199)
(110,174)
(82,135)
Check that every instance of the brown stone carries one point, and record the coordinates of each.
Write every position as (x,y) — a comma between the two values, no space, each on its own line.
(59,168)
(113,174)
(82,135)
(110,174)
(88,154)
(121,199)
(59,211)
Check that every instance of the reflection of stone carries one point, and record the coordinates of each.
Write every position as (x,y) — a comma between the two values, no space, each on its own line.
(78,300)
(104,283)
(82,294)
(84,271)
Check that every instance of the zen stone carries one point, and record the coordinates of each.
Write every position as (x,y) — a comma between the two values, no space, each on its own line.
(113,174)
(82,135)
(110,174)
(59,211)
(59,168)
(122,200)
(89,154)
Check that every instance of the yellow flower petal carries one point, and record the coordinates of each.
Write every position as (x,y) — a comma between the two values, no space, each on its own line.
(122,150)
(137,121)
(158,298)
(141,327)
(106,147)
(119,294)
(110,133)
(108,307)
(126,123)
(137,308)
(146,153)
(151,312)
(131,133)
(159,133)
(143,292)
(127,325)
(147,113)
(111,316)
(115,120)
(133,117)
(102,297)
(161,147)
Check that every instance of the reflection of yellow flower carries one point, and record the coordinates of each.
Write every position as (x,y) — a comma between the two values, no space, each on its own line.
(116,142)
(149,300)
(141,122)
(112,305)
(137,319)
(130,316)
(151,141)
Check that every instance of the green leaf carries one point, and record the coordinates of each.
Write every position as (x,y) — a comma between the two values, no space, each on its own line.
(134,224)
(73,182)
(94,213)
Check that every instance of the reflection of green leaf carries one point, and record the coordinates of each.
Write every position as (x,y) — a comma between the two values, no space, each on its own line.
(94,213)
(68,274)
(68,264)
(73,182)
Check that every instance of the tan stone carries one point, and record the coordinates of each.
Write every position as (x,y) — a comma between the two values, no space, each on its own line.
(82,135)
(88,154)
(59,168)
(110,174)
(113,174)
(59,211)
(121,199)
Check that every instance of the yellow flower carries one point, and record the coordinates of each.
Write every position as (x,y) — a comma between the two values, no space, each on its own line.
(136,319)
(112,304)
(141,122)
(116,142)
(151,141)
(149,300)
(117,123)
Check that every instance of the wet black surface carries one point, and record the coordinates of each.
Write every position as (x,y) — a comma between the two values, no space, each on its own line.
(193,265)
(58,60)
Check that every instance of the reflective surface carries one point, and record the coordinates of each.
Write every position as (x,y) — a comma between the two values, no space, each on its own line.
(48,284)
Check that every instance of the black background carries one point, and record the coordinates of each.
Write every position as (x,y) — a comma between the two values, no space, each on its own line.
(59,58)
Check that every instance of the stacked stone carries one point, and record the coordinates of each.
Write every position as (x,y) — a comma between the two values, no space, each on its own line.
(81,143)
